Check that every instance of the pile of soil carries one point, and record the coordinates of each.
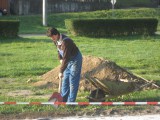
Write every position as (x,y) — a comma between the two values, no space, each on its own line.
(104,70)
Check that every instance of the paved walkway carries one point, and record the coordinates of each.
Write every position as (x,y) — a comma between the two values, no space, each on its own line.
(137,117)
(32,35)
(43,35)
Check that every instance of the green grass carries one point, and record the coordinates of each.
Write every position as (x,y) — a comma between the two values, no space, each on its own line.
(127,52)
(30,57)
(26,56)
(36,55)
(33,24)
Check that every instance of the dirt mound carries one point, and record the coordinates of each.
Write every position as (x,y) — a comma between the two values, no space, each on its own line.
(95,67)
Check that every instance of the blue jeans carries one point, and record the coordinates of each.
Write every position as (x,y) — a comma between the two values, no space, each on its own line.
(71,78)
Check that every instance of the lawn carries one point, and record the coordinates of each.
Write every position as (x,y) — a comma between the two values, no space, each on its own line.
(33,23)
(30,57)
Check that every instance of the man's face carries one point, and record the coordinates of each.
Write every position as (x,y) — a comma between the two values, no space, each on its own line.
(55,37)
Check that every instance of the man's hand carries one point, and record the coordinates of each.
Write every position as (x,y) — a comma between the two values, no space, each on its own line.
(60,75)
(61,61)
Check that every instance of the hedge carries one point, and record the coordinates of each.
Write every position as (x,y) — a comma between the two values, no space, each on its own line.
(9,28)
(111,27)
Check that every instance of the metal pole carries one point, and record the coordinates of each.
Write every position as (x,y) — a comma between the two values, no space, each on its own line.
(112,10)
(44,12)
(20,7)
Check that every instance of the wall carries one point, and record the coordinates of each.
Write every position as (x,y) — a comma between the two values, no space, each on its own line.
(4,4)
(25,7)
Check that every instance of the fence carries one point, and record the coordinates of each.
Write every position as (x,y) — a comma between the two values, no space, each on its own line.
(24,7)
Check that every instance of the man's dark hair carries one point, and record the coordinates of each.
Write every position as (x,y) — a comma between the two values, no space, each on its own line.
(52,31)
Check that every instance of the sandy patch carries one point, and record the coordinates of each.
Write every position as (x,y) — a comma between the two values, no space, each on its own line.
(20,93)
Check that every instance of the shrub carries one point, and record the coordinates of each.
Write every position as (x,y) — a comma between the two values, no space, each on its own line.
(9,28)
(111,27)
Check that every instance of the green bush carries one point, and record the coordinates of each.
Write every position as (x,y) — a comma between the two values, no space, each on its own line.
(111,27)
(9,28)
(129,13)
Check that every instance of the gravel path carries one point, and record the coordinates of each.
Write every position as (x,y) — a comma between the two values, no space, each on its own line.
(138,117)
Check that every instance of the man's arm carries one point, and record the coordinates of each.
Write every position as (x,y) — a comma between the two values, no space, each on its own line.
(66,55)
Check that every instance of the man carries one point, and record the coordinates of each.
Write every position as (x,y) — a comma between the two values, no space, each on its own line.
(71,64)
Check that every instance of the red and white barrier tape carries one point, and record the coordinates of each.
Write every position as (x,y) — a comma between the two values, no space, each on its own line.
(79,103)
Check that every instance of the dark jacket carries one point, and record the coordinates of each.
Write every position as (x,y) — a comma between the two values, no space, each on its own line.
(69,49)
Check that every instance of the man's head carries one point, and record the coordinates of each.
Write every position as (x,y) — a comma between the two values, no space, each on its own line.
(53,33)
